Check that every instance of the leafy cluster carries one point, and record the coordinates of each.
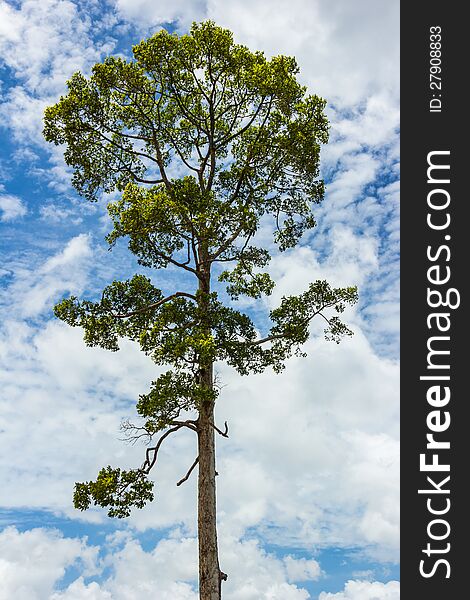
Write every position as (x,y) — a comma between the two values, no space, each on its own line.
(190,333)
(172,393)
(116,489)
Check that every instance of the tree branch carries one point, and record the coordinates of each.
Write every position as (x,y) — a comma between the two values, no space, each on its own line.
(154,305)
(149,463)
(159,160)
(190,470)
(189,424)
(172,260)
(322,315)
(248,155)
(123,148)
(222,433)
(228,242)
(127,426)
(269,338)
(228,139)
(280,336)
(129,170)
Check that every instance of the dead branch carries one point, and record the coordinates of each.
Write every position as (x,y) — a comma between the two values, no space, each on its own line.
(222,433)
(191,468)
(150,462)
(127,427)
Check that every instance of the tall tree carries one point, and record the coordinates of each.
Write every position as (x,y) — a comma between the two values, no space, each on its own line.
(206,142)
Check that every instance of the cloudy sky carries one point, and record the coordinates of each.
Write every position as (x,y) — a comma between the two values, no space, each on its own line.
(308,485)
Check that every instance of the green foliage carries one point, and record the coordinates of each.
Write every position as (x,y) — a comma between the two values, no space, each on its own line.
(243,280)
(239,124)
(244,138)
(170,394)
(116,489)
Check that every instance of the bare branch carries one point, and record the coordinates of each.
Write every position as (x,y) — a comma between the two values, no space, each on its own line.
(127,427)
(150,462)
(191,468)
(222,433)
(188,260)
(327,320)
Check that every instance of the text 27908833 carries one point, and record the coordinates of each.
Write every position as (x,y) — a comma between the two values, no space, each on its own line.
(435,69)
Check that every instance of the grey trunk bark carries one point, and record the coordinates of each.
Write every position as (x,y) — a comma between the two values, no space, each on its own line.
(210,575)
(209,571)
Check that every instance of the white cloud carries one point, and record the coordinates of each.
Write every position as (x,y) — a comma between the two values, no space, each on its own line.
(171,568)
(365,590)
(347,51)
(11,207)
(314,452)
(43,44)
(33,564)
(76,249)
(56,214)
(33,561)
(78,590)
(65,271)
(364,574)
(301,569)
(149,14)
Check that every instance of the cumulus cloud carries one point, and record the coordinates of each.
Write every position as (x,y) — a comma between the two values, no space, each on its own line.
(32,35)
(33,565)
(313,454)
(301,569)
(32,562)
(365,590)
(41,46)
(147,13)
(65,271)
(11,207)
(347,52)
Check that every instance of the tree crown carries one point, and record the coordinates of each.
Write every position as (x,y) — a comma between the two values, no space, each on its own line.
(205,140)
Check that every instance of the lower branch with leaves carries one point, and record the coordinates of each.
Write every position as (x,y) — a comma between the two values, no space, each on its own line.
(121,490)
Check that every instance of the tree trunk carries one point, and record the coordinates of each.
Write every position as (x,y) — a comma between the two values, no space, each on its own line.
(210,575)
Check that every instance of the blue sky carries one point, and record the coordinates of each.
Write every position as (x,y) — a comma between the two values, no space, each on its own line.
(308,486)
